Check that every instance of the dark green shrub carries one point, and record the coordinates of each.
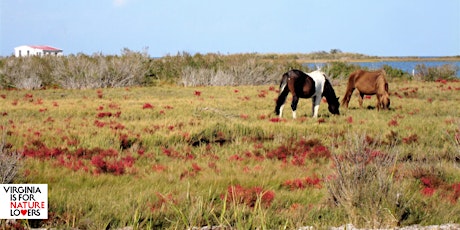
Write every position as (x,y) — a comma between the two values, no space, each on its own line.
(340,69)
(395,73)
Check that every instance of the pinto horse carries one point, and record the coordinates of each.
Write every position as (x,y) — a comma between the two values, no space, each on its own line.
(368,83)
(313,85)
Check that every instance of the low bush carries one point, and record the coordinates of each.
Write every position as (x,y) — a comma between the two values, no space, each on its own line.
(9,162)
(360,169)
(395,73)
(133,68)
(444,72)
(340,70)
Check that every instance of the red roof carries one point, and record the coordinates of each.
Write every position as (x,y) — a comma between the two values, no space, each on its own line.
(47,48)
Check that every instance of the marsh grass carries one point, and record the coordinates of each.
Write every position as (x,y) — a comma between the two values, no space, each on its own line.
(164,157)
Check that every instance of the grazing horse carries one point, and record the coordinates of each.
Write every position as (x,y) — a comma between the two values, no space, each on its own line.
(368,83)
(313,85)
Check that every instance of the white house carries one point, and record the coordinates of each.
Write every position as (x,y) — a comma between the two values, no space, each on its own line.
(25,51)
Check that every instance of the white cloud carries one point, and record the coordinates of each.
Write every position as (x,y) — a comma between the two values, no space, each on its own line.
(119,3)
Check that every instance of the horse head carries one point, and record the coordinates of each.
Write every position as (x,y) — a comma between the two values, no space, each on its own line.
(333,106)
(332,100)
(384,102)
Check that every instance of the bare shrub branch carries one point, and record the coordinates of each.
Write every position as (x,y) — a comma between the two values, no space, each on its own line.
(9,162)
(247,72)
(363,183)
(22,73)
(97,71)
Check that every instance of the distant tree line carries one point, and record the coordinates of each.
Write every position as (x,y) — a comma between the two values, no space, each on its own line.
(132,68)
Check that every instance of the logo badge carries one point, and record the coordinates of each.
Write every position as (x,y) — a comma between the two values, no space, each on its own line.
(23,201)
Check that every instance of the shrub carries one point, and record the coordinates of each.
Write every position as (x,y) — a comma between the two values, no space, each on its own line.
(9,162)
(445,72)
(249,70)
(362,184)
(393,73)
(96,71)
(340,70)
(24,73)
(75,71)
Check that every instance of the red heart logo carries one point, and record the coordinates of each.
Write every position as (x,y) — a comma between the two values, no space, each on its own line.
(23,212)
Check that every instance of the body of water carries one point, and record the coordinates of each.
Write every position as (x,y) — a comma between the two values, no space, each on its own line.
(406,66)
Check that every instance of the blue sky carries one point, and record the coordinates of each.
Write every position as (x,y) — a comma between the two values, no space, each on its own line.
(383,28)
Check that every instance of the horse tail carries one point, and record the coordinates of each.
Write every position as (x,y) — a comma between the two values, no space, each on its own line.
(284,91)
(283,82)
(350,89)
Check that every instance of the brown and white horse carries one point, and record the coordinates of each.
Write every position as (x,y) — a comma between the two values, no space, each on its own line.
(313,85)
(368,83)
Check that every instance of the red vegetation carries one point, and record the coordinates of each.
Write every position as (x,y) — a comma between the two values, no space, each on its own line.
(299,151)
(349,120)
(237,194)
(97,159)
(147,106)
(430,183)
(302,183)
(455,193)
(191,172)
(162,202)
(159,168)
(276,119)
(244,116)
(393,122)
(172,153)
(262,93)
(99,124)
(410,139)
(104,114)
(99,93)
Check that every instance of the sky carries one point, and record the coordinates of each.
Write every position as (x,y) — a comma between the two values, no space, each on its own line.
(166,27)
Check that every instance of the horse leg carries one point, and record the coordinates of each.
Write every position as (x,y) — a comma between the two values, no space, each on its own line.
(315,105)
(295,100)
(281,111)
(379,103)
(280,102)
(347,97)
(360,99)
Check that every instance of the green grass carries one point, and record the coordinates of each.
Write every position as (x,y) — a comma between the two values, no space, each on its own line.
(175,182)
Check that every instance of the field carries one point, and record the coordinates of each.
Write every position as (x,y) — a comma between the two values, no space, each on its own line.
(180,157)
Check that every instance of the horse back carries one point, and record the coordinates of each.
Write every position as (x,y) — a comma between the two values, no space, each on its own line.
(300,84)
(369,82)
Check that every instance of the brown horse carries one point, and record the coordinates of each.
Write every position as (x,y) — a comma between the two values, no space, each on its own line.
(368,83)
